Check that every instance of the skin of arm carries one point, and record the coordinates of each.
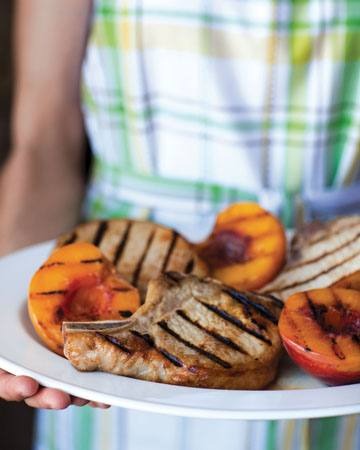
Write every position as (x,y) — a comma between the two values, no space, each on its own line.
(42,183)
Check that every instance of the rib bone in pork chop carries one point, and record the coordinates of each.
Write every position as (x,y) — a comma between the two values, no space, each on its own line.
(189,332)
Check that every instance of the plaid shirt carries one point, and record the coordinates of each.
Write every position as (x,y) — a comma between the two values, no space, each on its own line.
(190,105)
(193,104)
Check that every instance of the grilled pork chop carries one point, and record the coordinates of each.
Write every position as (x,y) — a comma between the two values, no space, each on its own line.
(139,250)
(189,332)
(320,255)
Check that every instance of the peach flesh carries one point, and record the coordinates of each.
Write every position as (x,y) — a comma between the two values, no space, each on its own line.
(225,248)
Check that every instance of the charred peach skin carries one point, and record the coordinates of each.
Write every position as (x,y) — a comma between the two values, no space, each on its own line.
(320,330)
(77,283)
(246,248)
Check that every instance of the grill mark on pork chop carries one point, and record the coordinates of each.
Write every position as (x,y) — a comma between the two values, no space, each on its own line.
(173,277)
(100,232)
(322,255)
(121,244)
(113,340)
(142,259)
(172,358)
(329,269)
(184,354)
(91,261)
(72,238)
(144,336)
(275,300)
(243,300)
(164,326)
(259,325)
(235,321)
(150,341)
(174,237)
(224,340)
(328,232)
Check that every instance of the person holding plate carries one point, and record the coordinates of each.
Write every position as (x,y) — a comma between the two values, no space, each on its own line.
(188,106)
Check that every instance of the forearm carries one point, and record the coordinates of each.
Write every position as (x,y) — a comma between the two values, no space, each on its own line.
(50,40)
(42,184)
(42,187)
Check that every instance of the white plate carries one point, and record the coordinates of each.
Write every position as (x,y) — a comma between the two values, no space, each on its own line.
(295,395)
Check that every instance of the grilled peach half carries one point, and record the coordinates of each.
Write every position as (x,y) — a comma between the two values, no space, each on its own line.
(350,282)
(247,247)
(77,283)
(320,330)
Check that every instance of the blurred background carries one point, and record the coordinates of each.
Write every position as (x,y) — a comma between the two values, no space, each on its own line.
(16,420)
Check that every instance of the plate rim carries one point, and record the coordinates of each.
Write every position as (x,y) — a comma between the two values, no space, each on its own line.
(160,406)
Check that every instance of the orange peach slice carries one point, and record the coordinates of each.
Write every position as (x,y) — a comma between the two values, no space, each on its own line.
(320,330)
(246,248)
(77,283)
(350,282)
